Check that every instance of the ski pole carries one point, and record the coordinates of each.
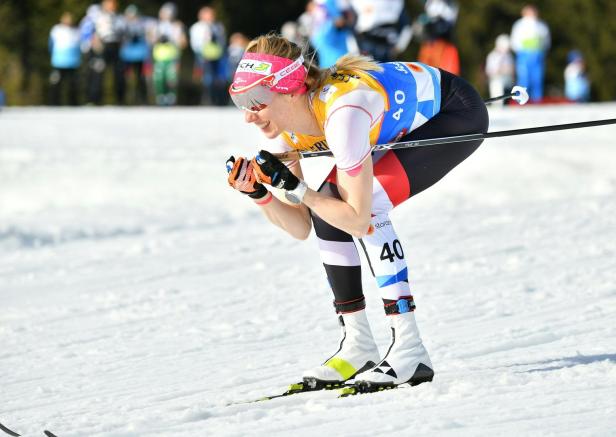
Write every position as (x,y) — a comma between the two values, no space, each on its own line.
(299,154)
(518,93)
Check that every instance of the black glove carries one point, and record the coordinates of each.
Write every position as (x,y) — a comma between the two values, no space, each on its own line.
(272,171)
(242,178)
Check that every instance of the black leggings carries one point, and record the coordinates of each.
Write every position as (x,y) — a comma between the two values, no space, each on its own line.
(462,112)
(400,174)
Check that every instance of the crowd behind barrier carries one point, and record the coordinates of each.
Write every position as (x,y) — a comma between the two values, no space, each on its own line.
(142,54)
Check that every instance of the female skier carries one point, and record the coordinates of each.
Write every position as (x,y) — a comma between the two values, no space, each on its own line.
(347,109)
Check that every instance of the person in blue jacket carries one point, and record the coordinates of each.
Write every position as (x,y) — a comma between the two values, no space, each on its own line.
(135,51)
(65,60)
(331,30)
(577,84)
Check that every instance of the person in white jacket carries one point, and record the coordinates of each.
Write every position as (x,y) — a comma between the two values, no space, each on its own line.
(383,28)
(500,67)
(208,40)
(530,40)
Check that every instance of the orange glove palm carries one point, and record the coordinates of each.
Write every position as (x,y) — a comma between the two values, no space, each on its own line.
(242,178)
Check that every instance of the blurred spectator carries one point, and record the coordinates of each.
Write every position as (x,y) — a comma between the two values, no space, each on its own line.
(208,40)
(442,16)
(291,31)
(169,40)
(437,27)
(300,31)
(93,58)
(305,22)
(331,28)
(87,27)
(530,40)
(237,46)
(135,51)
(500,67)
(577,85)
(65,59)
(383,28)
(108,28)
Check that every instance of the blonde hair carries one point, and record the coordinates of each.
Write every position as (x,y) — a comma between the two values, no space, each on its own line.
(274,44)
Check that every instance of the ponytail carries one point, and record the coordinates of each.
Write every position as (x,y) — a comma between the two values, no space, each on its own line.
(351,63)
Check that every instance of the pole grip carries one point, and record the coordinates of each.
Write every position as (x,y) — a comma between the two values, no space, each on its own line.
(292,155)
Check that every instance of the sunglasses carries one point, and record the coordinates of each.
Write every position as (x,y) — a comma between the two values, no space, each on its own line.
(252,99)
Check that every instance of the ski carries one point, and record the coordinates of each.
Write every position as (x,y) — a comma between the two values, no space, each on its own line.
(345,389)
(422,374)
(14,434)
(361,389)
(306,386)
(8,431)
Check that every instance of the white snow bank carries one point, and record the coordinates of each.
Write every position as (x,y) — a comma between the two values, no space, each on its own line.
(141,295)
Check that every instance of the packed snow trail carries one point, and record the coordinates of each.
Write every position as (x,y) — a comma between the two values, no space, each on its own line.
(141,295)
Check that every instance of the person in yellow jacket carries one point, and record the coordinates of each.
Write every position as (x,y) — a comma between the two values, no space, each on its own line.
(169,41)
(347,109)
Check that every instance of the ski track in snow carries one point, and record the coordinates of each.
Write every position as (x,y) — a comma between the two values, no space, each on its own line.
(140,295)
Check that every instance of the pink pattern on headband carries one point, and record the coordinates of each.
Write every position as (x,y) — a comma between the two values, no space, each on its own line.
(267,69)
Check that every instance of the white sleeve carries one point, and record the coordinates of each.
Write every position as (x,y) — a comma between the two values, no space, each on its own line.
(347,127)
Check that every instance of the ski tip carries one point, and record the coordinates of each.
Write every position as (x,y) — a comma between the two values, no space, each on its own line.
(8,431)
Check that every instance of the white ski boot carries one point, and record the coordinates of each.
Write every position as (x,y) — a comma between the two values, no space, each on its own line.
(357,353)
(406,361)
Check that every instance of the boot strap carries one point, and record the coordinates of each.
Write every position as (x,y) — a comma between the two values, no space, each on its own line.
(350,306)
(403,305)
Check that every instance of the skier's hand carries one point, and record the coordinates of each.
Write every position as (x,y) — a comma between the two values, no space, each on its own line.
(272,171)
(242,178)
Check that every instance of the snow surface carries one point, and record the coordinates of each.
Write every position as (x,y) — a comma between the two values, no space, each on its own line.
(140,295)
